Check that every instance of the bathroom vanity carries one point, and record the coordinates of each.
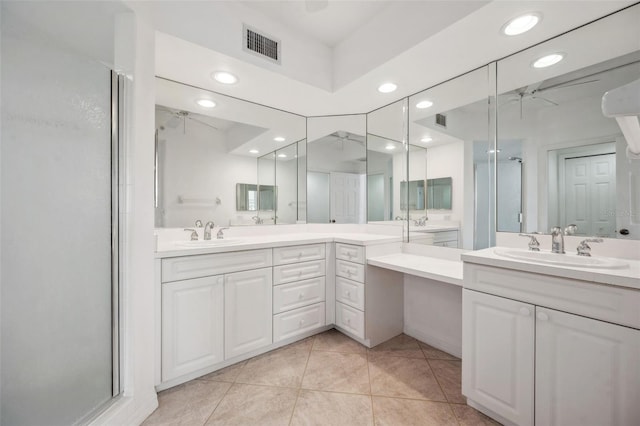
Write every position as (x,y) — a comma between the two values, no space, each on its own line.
(220,302)
(551,344)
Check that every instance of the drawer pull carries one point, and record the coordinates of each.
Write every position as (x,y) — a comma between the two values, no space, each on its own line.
(350,254)
(300,255)
(301,322)
(349,321)
(348,293)
(525,311)
(301,295)
(542,316)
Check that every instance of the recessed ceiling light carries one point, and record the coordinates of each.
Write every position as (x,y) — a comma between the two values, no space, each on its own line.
(426,139)
(548,60)
(206,103)
(225,77)
(389,147)
(254,151)
(279,139)
(387,87)
(521,24)
(492,151)
(424,104)
(282,155)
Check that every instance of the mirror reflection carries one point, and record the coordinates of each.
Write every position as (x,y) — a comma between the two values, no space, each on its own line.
(561,161)
(336,169)
(450,151)
(207,165)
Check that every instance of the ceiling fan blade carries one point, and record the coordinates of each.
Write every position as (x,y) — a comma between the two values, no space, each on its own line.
(548,101)
(563,85)
(203,123)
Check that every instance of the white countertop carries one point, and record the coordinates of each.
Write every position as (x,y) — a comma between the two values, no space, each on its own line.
(448,271)
(627,277)
(432,228)
(173,249)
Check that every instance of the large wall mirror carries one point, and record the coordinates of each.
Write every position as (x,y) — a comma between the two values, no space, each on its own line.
(450,158)
(226,160)
(387,186)
(561,161)
(336,169)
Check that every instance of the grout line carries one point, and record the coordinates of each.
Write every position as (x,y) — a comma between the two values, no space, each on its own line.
(295,404)
(373,411)
(219,402)
(435,376)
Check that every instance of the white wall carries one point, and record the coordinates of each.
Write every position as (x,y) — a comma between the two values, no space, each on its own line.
(448,161)
(196,169)
(287,182)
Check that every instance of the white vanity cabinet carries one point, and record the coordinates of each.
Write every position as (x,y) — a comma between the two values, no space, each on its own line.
(548,350)
(192,325)
(299,290)
(350,289)
(247,311)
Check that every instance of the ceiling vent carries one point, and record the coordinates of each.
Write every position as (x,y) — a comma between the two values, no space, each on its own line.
(260,44)
(441,120)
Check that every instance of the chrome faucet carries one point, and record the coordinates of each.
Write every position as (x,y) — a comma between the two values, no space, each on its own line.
(534,244)
(198,223)
(207,230)
(194,234)
(220,234)
(584,249)
(257,220)
(420,222)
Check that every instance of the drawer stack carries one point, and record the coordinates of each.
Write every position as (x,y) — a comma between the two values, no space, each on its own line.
(350,305)
(298,290)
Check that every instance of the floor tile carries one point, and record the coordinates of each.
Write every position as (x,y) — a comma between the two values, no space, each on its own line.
(449,375)
(335,371)
(469,416)
(335,341)
(408,412)
(282,367)
(255,405)
(328,409)
(227,374)
(188,404)
(401,345)
(403,377)
(432,353)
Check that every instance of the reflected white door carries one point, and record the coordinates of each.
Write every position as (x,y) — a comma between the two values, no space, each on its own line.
(590,194)
(345,197)
(628,195)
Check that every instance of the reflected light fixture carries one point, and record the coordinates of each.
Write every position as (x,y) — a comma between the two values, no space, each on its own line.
(426,139)
(206,103)
(387,87)
(224,77)
(492,151)
(389,147)
(548,60)
(279,139)
(282,155)
(521,24)
(254,151)
(424,104)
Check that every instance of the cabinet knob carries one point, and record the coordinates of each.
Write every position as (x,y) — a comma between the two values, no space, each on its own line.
(348,293)
(525,311)
(348,320)
(301,323)
(542,316)
(301,295)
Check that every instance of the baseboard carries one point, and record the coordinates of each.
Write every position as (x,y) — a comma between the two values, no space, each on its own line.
(129,410)
(454,349)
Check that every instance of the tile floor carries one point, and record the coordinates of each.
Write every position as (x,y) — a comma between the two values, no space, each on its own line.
(327,379)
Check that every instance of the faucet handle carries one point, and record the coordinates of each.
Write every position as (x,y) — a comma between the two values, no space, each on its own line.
(198,223)
(571,229)
(534,244)
(584,249)
(194,234)
(220,234)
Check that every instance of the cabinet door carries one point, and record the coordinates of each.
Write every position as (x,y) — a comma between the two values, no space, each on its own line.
(498,355)
(587,371)
(248,310)
(192,325)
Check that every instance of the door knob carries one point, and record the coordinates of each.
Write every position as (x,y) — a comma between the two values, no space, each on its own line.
(542,316)
(624,231)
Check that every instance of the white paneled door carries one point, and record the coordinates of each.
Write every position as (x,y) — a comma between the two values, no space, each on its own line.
(345,197)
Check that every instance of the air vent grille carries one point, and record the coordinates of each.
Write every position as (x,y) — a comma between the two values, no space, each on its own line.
(261,44)
(441,120)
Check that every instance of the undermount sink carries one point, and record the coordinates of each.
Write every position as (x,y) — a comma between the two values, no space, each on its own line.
(556,259)
(208,243)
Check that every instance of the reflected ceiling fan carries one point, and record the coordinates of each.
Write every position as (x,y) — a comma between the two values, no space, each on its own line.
(533,92)
(341,137)
(177,117)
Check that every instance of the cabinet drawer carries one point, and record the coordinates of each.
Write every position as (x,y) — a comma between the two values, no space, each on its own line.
(298,294)
(298,321)
(608,303)
(350,319)
(298,271)
(444,236)
(353,271)
(350,252)
(295,254)
(350,292)
(186,267)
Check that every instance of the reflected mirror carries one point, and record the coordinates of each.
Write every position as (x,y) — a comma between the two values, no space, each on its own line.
(415,197)
(336,169)
(387,163)
(204,156)
(561,161)
(448,124)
